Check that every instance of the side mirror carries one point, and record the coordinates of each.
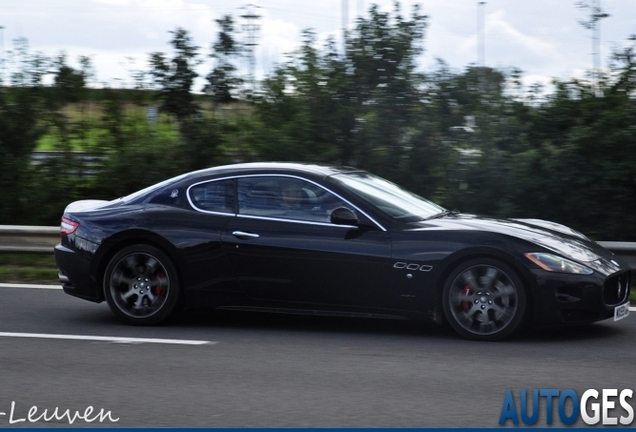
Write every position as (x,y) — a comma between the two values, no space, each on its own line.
(344,216)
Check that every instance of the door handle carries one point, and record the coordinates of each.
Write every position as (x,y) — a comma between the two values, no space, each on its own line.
(245,235)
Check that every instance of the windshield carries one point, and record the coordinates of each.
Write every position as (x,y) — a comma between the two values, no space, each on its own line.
(388,197)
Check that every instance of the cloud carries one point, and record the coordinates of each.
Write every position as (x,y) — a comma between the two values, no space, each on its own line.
(541,37)
(510,43)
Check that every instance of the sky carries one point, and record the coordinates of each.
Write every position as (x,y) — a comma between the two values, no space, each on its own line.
(543,38)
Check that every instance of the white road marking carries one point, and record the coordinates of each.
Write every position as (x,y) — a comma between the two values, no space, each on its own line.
(30,286)
(115,339)
(632,309)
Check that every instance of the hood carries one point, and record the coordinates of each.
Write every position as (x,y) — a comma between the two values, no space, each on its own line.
(555,237)
(553,226)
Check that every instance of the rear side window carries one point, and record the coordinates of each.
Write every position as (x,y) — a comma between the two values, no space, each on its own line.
(214,196)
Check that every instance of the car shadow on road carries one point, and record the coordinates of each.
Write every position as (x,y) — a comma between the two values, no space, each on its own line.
(283,322)
(207,318)
(295,323)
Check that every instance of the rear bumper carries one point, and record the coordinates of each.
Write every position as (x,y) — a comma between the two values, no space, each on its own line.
(74,275)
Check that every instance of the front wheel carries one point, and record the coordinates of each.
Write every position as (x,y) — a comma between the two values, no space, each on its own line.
(484,299)
(141,285)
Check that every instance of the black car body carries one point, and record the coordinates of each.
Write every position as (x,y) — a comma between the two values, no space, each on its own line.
(356,245)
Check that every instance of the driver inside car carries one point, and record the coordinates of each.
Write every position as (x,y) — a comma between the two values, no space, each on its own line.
(293,197)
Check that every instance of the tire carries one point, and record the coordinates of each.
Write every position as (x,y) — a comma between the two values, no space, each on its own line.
(141,285)
(484,299)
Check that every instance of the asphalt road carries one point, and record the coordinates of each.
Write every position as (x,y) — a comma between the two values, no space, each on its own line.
(271,371)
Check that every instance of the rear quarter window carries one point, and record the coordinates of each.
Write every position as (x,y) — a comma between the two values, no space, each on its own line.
(214,196)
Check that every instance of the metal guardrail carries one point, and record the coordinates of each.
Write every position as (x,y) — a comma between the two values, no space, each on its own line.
(33,239)
(42,239)
(625,250)
(86,164)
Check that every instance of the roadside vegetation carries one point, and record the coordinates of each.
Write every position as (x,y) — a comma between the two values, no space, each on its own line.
(28,268)
(476,139)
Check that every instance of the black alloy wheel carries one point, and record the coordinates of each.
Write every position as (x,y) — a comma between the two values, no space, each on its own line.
(141,285)
(484,299)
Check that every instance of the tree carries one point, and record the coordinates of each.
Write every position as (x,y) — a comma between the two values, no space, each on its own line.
(381,56)
(583,136)
(69,82)
(477,131)
(175,77)
(21,108)
(357,108)
(305,105)
(199,134)
(223,80)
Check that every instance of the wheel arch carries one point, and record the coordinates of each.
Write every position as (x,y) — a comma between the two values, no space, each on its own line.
(457,258)
(121,240)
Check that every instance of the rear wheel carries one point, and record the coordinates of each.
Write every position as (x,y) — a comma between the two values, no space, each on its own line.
(484,299)
(141,285)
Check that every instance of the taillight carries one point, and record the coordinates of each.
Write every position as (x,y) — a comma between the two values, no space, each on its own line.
(68,227)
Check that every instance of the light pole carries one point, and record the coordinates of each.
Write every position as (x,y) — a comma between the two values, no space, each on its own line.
(251,31)
(481,44)
(597,16)
(345,21)
(594,23)
(1,55)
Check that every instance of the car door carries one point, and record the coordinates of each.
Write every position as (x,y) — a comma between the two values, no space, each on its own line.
(296,255)
(198,235)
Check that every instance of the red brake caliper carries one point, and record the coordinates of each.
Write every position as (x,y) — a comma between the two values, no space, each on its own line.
(466,292)
(159,291)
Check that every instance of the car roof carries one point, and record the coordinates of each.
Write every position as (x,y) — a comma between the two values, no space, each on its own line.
(238,170)
(272,167)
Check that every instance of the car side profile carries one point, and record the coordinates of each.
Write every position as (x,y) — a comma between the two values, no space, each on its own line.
(333,241)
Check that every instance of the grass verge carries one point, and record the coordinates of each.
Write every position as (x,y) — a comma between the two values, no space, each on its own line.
(28,268)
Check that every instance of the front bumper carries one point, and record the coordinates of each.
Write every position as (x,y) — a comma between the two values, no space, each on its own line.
(564,299)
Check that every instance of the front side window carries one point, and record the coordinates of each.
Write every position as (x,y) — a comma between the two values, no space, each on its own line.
(286,198)
(213,196)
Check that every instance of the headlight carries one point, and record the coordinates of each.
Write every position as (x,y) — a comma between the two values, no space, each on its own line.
(555,263)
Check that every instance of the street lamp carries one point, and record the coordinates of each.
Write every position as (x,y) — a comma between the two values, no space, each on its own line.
(1,55)
(481,45)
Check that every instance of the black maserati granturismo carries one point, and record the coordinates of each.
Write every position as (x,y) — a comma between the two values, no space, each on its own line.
(333,241)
